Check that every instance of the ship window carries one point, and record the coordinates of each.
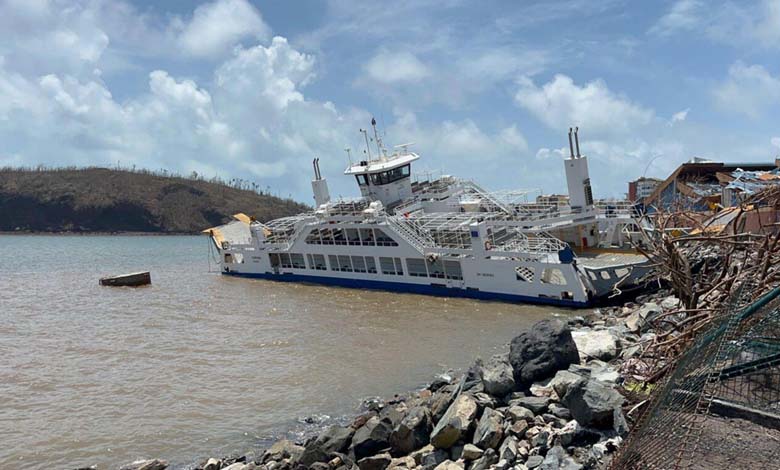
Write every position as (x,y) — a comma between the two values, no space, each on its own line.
(390,176)
(318,262)
(326,236)
(285,260)
(362,180)
(313,238)
(435,268)
(344,264)
(338,237)
(398,267)
(388,266)
(352,236)
(367,237)
(416,267)
(383,240)
(370,264)
(452,268)
(334,262)
(553,276)
(297,261)
(524,273)
(274,257)
(358,265)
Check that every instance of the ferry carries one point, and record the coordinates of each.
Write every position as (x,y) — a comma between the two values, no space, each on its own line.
(445,236)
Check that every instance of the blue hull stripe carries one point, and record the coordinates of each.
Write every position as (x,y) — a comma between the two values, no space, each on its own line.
(410,288)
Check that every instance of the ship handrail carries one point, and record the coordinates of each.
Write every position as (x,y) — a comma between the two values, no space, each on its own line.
(416,237)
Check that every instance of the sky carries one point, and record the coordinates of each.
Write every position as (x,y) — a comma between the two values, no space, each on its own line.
(487,90)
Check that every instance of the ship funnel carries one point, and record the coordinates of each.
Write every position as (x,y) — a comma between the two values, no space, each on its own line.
(319,185)
(571,145)
(577,140)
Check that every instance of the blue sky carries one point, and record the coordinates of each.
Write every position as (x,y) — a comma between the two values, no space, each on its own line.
(486,90)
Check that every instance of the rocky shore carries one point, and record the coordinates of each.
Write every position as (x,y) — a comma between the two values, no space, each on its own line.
(553,400)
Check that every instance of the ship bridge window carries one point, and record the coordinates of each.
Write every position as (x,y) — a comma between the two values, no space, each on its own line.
(553,276)
(391,266)
(416,267)
(383,240)
(362,180)
(453,270)
(390,176)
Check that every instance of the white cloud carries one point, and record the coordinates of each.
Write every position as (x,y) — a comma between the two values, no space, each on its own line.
(217,26)
(395,67)
(679,116)
(748,89)
(684,15)
(561,103)
(775,141)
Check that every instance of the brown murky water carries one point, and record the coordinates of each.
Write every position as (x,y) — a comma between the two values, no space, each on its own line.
(199,364)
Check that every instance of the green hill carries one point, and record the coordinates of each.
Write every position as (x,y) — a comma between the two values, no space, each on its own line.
(107,200)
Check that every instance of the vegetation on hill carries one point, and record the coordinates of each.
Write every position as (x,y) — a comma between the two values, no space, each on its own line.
(123,200)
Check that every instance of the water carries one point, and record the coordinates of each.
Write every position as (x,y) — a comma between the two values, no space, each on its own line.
(199,364)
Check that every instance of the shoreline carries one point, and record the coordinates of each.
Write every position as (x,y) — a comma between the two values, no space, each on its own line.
(538,423)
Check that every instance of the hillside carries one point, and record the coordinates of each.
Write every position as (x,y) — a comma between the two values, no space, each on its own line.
(107,200)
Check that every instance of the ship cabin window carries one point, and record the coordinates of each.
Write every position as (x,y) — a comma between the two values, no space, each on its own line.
(453,270)
(345,264)
(338,237)
(317,262)
(313,238)
(370,264)
(367,237)
(358,264)
(326,236)
(383,240)
(297,261)
(353,238)
(286,262)
(416,267)
(391,266)
(274,258)
(435,268)
(334,262)
(390,176)
(362,180)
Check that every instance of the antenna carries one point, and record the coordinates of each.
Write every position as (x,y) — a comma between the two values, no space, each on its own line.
(577,140)
(379,147)
(349,155)
(404,147)
(368,149)
(571,145)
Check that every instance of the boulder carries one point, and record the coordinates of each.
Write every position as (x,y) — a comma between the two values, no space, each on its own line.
(441,401)
(498,376)
(534,461)
(541,351)
(375,462)
(490,457)
(519,413)
(592,403)
(639,318)
(472,380)
(537,405)
(558,459)
(508,450)
(433,459)
(455,423)
(211,464)
(471,452)
(333,439)
(373,437)
(283,449)
(449,465)
(490,429)
(563,378)
(153,464)
(596,344)
(412,432)
(670,303)
(560,411)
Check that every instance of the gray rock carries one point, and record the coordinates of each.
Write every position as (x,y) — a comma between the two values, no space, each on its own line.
(490,429)
(449,465)
(638,320)
(592,403)
(455,423)
(596,344)
(670,303)
(537,405)
(558,459)
(542,351)
(534,461)
(372,437)
(283,449)
(375,462)
(519,413)
(412,432)
(333,439)
(441,401)
(498,376)
(490,457)
(153,464)
(508,450)
(433,459)
(211,464)
(471,452)
(560,411)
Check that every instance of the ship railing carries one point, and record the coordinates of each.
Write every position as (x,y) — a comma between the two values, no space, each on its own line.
(485,197)
(409,231)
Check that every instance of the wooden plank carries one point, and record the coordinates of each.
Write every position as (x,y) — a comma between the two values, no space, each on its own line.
(128,280)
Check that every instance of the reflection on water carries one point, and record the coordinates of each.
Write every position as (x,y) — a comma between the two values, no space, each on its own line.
(200,364)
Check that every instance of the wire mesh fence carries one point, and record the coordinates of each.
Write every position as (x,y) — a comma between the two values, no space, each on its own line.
(720,406)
